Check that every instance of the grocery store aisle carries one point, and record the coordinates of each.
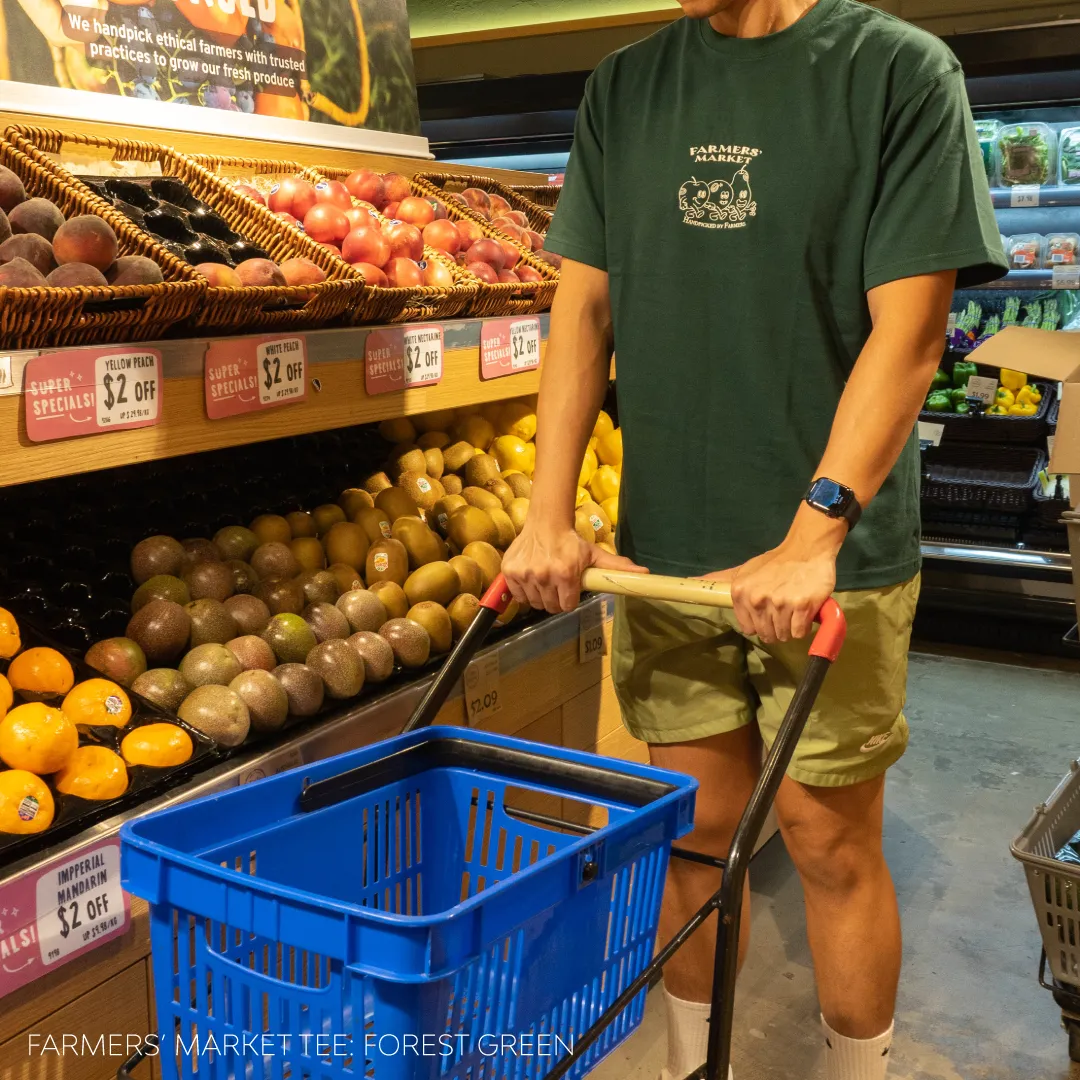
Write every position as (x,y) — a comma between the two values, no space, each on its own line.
(990,740)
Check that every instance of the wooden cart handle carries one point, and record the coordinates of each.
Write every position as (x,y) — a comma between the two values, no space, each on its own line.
(716,594)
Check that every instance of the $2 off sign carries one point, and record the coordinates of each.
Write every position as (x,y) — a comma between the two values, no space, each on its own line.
(90,391)
(403,358)
(245,375)
(509,346)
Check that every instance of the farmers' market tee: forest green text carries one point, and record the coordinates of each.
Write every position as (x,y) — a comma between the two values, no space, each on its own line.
(744,194)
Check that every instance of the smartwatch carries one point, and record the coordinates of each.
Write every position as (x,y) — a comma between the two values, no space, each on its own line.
(835,501)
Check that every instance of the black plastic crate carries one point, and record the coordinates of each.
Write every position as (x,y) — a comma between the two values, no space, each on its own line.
(977,427)
(978,477)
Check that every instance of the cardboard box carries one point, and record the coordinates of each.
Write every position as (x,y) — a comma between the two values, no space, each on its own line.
(1053,355)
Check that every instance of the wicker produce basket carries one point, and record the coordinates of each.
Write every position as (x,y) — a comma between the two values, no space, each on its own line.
(290,307)
(981,477)
(379,305)
(978,427)
(447,183)
(504,298)
(87,314)
(545,196)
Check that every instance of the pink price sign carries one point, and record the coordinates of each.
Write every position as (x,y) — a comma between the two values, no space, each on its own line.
(90,391)
(509,346)
(243,375)
(59,912)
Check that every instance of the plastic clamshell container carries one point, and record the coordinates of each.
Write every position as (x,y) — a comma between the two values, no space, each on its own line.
(987,131)
(1027,154)
(1026,251)
(1061,249)
(1069,152)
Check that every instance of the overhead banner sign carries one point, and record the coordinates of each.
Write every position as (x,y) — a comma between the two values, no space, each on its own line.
(343,63)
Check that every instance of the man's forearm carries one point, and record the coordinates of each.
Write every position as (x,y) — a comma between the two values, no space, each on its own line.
(572,389)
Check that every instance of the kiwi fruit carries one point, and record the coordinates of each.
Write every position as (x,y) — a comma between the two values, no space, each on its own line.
(421,544)
(438,420)
(252,652)
(518,511)
(409,640)
(476,429)
(161,629)
(320,586)
(301,524)
(218,712)
(236,542)
(302,687)
(156,555)
(308,553)
(480,470)
(518,483)
(481,499)
(196,550)
(434,465)
(377,482)
(265,698)
(470,579)
(160,587)
(441,511)
(434,581)
(452,484)
(398,429)
(243,575)
(406,458)
(362,610)
(211,623)
(270,529)
(346,543)
(165,687)
(434,619)
(353,499)
(250,615)
(487,558)
(509,615)
(376,523)
(462,611)
(457,455)
(290,637)
(210,663)
(326,517)
(501,490)
(209,579)
(274,559)
(121,659)
(326,621)
(387,560)
(396,503)
(339,666)
(591,523)
(424,490)
(433,440)
(347,577)
(376,653)
(392,597)
(469,523)
(504,526)
(281,594)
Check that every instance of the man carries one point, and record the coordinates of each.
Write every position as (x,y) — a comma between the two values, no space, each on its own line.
(766,211)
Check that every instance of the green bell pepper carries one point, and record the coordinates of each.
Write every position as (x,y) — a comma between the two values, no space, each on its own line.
(961,408)
(939,401)
(962,371)
(958,396)
(941,381)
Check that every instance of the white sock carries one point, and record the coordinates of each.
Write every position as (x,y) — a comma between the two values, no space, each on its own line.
(688,1037)
(856,1059)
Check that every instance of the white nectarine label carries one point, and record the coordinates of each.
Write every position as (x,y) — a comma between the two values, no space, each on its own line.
(242,375)
(423,355)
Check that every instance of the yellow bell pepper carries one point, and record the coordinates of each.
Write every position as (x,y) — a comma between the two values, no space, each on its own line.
(1004,397)
(1013,380)
(1023,408)
(997,410)
(1029,394)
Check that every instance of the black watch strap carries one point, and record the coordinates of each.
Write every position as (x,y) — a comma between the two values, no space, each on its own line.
(834,500)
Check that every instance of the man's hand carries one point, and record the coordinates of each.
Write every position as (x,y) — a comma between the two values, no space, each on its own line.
(543,567)
(778,594)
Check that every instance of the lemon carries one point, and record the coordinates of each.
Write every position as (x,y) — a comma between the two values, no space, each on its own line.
(609,448)
(26,804)
(611,508)
(603,425)
(604,484)
(476,431)
(518,419)
(582,496)
(511,452)
(588,468)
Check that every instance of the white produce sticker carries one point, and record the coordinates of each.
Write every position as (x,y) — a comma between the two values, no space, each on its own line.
(982,388)
(525,344)
(1025,195)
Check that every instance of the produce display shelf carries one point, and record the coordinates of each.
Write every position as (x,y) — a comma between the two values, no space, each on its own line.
(336,398)
(1021,281)
(1056,195)
(1006,557)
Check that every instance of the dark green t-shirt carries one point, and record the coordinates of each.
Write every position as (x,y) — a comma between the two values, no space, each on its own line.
(744,194)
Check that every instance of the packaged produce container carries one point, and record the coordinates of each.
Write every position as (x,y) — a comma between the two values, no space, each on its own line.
(1062,249)
(1070,155)
(987,133)
(1027,154)
(1026,251)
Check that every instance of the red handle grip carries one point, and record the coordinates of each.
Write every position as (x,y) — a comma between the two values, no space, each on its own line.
(829,639)
(498,597)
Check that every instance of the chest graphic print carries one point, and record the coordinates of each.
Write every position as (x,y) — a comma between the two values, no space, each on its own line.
(719,203)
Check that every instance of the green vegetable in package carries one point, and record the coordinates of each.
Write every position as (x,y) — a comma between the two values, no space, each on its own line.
(1033,315)
(1027,154)
(986,131)
(1070,156)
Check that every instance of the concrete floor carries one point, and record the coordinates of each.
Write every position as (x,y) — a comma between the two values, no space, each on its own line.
(989,741)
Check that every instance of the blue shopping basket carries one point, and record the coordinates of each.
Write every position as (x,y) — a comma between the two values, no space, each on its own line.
(414,909)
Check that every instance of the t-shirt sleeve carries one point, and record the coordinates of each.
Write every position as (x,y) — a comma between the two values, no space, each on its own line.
(577,231)
(933,210)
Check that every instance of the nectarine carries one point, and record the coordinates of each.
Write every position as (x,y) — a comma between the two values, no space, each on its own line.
(373,275)
(367,186)
(302,272)
(444,235)
(366,245)
(326,223)
(219,275)
(404,272)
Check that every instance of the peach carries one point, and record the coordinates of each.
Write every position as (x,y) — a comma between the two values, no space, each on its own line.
(396,187)
(551,258)
(469,231)
(134,270)
(5,227)
(219,275)
(35,249)
(518,218)
(19,274)
(36,216)
(499,205)
(85,239)
(76,273)
(302,272)
(535,240)
(509,277)
(373,275)
(251,193)
(527,273)
(12,191)
(477,198)
(260,272)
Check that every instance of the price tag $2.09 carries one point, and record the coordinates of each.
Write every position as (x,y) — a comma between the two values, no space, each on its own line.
(482,698)
(591,642)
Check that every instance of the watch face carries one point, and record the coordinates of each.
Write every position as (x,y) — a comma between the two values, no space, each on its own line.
(829,496)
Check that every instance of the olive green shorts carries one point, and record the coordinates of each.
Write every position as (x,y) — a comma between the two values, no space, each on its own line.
(684,672)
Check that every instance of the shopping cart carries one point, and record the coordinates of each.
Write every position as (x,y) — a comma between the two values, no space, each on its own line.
(412,896)
(1055,891)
